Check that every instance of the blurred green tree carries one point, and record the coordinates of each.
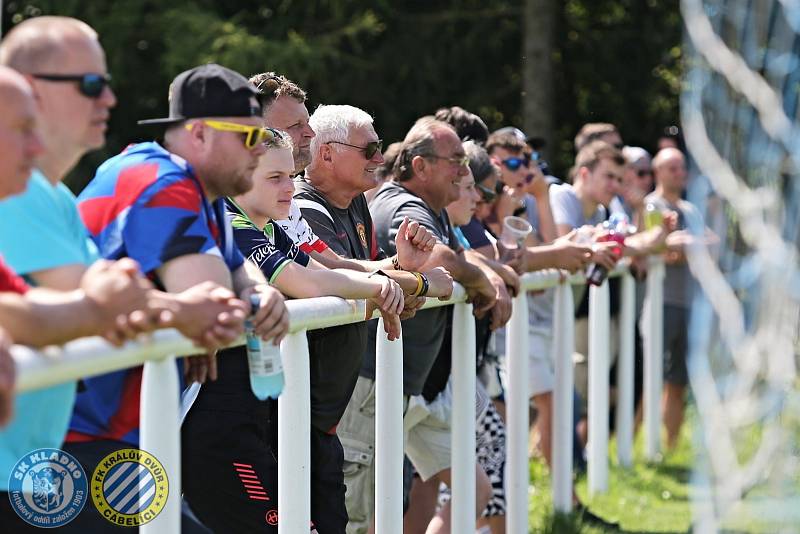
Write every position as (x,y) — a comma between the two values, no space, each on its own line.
(612,60)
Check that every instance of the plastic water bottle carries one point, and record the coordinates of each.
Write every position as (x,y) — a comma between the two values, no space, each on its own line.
(264,359)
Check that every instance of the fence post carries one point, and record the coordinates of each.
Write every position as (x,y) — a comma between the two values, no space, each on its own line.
(563,347)
(388,433)
(599,324)
(517,472)
(159,407)
(294,440)
(463,420)
(625,399)
(653,356)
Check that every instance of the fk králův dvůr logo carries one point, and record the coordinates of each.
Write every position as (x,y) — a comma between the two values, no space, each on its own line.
(47,488)
(130,487)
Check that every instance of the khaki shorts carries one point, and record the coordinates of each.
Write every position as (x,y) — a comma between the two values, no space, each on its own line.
(580,358)
(541,364)
(426,441)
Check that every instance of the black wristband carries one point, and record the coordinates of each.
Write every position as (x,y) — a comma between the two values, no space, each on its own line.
(425,285)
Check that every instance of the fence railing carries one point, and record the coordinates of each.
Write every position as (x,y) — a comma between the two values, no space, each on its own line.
(160,398)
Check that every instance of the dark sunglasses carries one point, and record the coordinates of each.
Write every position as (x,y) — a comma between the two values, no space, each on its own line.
(487,195)
(90,85)
(512,164)
(643,172)
(370,149)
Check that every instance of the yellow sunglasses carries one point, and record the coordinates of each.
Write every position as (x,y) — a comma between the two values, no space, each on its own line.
(254,135)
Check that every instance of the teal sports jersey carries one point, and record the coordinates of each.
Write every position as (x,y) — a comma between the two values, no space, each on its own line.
(40,230)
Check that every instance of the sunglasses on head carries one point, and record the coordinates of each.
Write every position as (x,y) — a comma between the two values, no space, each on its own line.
(254,135)
(370,149)
(90,85)
(269,85)
(512,164)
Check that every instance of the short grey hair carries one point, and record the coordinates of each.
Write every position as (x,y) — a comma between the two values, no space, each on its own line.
(419,141)
(334,123)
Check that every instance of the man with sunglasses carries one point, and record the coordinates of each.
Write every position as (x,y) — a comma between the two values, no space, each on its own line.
(525,187)
(331,198)
(164,207)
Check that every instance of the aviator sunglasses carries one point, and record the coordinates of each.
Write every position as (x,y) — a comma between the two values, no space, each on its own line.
(90,85)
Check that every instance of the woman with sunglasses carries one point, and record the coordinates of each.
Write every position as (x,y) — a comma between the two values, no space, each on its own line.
(210,482)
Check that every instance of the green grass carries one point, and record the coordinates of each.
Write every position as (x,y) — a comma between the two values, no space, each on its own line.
(654,497)
(646,498)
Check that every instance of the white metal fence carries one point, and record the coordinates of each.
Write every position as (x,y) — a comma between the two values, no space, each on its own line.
(160,400)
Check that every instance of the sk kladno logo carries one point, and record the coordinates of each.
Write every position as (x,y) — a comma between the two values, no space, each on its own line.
(130,487)
(47,488)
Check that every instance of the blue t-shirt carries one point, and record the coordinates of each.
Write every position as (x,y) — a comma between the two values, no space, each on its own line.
(146,204)
(41,230)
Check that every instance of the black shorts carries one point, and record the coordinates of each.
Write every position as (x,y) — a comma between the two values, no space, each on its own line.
(230,467)
(89,454)
(676,345)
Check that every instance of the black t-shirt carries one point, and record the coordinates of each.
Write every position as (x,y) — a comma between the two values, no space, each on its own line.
(423,333)
(336,352)
(475,233)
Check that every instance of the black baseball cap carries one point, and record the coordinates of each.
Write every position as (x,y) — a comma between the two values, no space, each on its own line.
(210,90)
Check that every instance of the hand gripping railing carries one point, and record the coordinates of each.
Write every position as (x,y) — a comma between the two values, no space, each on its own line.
(159,399)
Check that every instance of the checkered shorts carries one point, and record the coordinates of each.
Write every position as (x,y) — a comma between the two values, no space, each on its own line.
(491,455)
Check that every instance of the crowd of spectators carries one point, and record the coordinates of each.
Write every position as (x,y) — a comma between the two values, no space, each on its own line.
(245,197)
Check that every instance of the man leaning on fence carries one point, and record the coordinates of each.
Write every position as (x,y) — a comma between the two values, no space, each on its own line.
(432,163)
(330,197)
(163,206)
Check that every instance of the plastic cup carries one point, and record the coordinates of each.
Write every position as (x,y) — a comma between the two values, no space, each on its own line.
(515,231)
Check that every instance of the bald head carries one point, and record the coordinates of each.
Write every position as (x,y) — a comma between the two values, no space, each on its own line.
(18,134)
(39,43)
(669,170)
(63,61)
(666,155)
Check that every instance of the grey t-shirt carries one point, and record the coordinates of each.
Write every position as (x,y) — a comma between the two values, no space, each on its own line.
(678,281)
(423,333)
(567,209)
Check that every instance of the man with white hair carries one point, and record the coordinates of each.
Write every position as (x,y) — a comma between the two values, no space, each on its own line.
(345,153)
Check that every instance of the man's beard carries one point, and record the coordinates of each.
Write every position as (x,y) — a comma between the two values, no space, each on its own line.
(302,159)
